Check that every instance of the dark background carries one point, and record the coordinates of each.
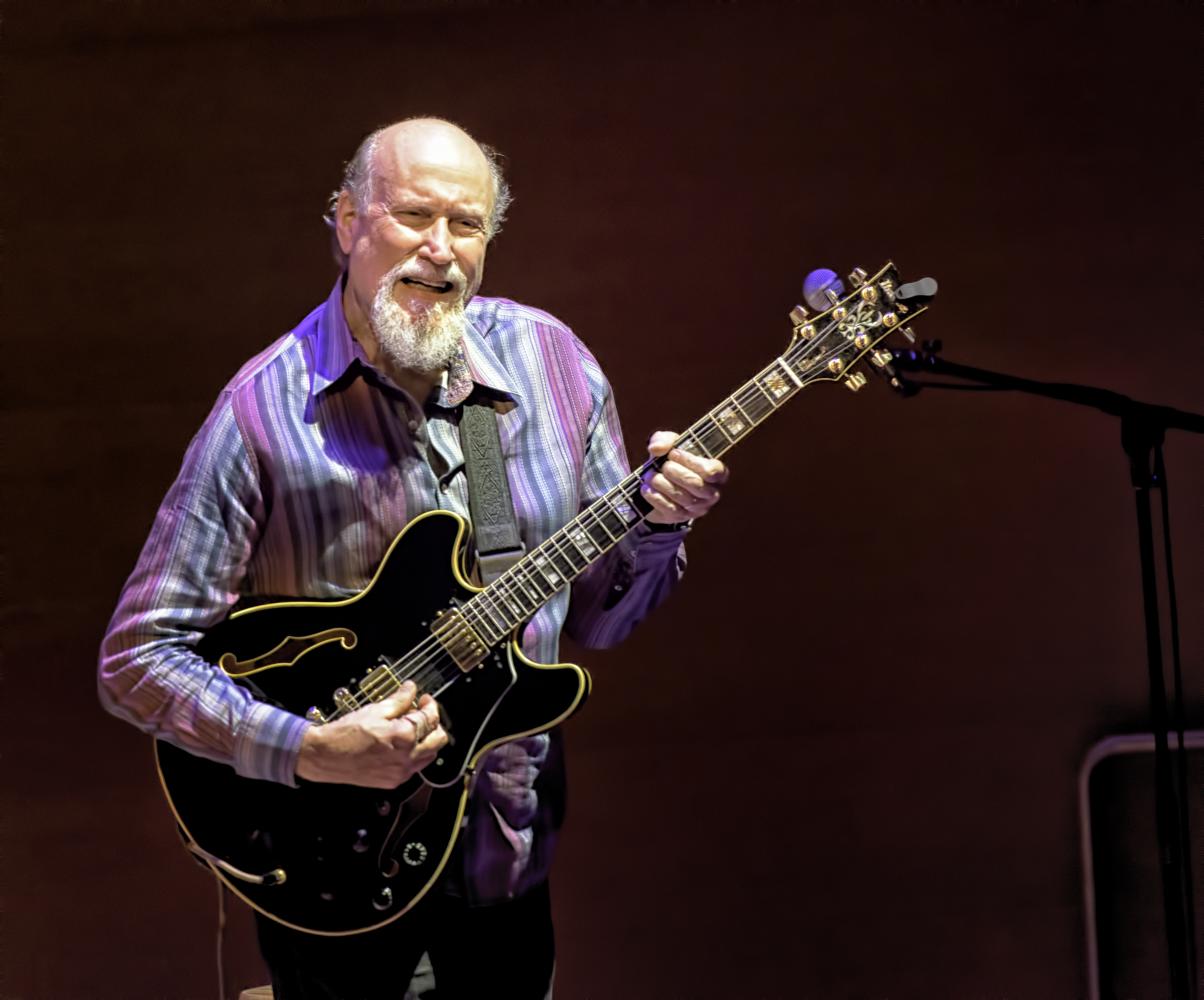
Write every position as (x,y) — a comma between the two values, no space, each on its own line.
(842,761)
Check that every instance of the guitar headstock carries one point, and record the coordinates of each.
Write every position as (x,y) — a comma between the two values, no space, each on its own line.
(828,346)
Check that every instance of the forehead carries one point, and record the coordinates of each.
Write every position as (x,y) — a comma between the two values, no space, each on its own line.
(434,164)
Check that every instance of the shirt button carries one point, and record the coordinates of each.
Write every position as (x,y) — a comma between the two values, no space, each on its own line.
(413,426)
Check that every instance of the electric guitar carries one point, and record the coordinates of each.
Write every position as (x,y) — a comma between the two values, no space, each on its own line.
(340,859)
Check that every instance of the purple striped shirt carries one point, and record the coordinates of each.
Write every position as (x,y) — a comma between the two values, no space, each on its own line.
(308,466)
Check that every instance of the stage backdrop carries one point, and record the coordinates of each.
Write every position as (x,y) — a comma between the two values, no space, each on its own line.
(841,762)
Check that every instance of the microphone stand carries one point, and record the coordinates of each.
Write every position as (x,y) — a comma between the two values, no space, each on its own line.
(1143,427)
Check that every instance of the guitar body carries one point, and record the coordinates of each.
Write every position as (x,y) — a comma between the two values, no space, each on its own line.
(339,859)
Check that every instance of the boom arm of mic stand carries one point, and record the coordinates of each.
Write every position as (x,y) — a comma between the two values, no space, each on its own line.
(1084,395)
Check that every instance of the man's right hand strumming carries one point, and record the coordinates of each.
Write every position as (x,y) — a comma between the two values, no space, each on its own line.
(377,746)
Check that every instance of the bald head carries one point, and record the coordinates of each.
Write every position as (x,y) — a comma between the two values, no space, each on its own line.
(427,140)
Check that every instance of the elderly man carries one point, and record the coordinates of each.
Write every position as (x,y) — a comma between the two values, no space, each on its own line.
(315,456)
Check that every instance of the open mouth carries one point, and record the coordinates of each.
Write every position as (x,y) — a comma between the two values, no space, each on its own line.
(438,287)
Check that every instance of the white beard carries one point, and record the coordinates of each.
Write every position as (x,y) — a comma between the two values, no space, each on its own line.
(424,343)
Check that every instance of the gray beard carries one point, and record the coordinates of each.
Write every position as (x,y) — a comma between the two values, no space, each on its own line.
(425,343)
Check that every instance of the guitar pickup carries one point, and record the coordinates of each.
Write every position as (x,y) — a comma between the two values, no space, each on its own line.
(459,640)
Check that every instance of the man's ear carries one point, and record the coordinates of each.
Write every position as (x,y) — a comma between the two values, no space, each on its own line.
(345,214)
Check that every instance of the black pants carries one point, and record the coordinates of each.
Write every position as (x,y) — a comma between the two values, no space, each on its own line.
(500,951)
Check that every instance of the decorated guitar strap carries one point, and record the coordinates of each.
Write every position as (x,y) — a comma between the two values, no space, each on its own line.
(495,527)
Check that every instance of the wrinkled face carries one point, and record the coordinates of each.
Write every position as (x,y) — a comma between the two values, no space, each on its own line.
(422,229)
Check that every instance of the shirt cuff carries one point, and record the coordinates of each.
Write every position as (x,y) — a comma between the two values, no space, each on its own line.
(268,743)
(648,531)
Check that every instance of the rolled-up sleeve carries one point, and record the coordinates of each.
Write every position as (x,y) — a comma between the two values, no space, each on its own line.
(186,580)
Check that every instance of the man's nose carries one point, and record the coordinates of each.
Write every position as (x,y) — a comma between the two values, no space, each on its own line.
(437,242)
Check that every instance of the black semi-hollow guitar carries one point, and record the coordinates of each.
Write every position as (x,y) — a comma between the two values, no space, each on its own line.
(339,859)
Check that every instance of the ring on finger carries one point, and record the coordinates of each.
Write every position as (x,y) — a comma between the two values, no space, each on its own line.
(418,721)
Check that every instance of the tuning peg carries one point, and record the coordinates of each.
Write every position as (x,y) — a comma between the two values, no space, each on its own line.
(917,293)
(833,295)
(799,315)
(855,381)
(858,276)
(882,358)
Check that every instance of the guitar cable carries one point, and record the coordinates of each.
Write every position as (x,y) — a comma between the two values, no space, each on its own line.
(276,876)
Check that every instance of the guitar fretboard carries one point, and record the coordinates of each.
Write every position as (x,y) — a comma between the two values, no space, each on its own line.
(531,582)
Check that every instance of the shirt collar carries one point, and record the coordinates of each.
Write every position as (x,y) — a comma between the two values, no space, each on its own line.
(476,364)
(336,351)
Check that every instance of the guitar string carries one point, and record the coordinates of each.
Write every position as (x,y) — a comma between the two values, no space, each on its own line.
(426,661)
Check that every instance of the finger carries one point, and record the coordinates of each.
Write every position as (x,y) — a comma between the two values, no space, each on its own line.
(660,443)
(672,512)
(431,719)
(710,470)
(678,480)
(425,752)
(400,701)
(678,494)
(410,730)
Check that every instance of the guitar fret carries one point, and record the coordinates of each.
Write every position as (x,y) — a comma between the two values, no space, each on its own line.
(566,545)
(521,597)
(616,519)
(611,537)
(474,613)
(497,622)
(743,412)
(692,443)
(798,383)
(714,450)
(773,403)
(547,569)
(753,404)
(506,596)
(522,578)
(717,420)
(560,558)
(581,540)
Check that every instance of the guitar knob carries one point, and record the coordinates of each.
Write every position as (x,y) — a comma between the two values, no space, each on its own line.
(383,899)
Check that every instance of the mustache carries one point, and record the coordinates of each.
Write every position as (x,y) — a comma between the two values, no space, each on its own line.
(428,274)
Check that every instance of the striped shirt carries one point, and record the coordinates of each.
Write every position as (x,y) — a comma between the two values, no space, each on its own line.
(308,466)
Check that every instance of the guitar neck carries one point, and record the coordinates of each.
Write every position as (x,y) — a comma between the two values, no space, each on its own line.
(823,349)
(531,582)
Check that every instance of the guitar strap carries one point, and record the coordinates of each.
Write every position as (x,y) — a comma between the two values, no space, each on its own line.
(495,527)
